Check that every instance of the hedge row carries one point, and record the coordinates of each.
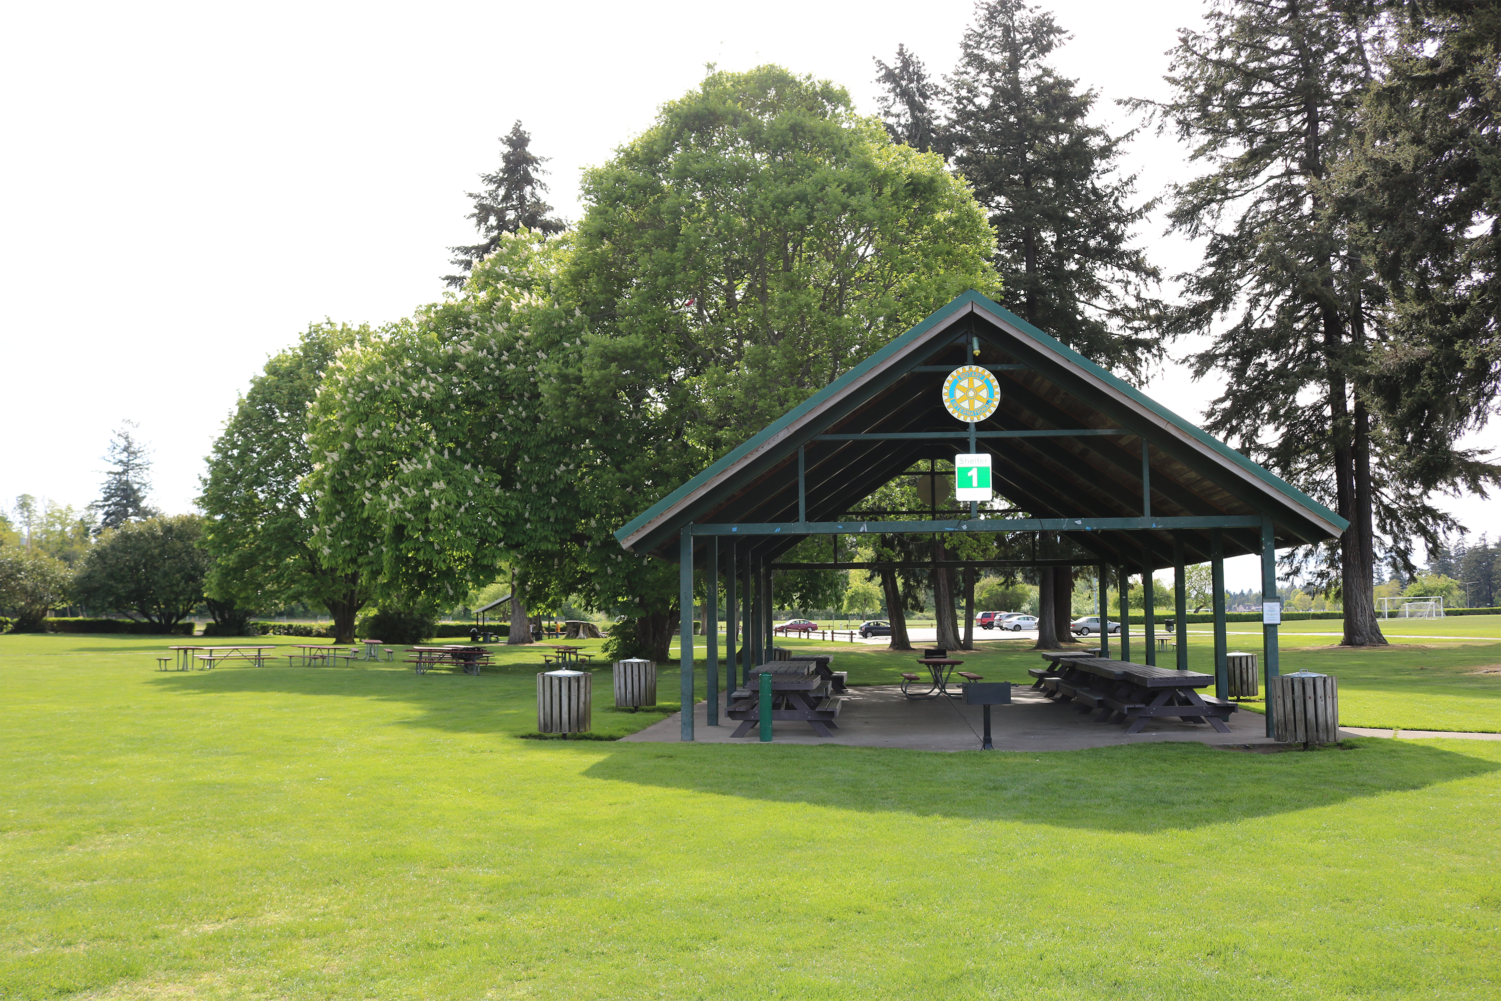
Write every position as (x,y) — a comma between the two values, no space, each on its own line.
(80,625)
(1200,617)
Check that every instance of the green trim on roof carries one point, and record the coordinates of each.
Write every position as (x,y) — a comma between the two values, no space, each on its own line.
(900,343)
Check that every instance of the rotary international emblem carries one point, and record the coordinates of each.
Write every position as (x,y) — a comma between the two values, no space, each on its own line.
(971,393)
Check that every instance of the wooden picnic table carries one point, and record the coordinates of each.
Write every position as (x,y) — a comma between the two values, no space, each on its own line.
(940,669)
(1056,659)
(566,655)
(471,658)
(1138,692)
(798,692)
(211,655)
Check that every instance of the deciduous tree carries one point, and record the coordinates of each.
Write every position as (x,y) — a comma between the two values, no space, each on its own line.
(153,570)
(261,524)
(31,585)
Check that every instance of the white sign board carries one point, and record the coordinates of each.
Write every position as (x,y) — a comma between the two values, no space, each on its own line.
(972,477)
(1271,613)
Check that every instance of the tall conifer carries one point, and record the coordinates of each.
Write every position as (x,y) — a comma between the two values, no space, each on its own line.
(510,201)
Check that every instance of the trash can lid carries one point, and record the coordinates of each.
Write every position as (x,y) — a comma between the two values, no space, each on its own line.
(565,674)
(1304,674)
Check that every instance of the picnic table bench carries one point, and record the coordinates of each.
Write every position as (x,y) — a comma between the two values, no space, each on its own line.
(567,655)
(798,692)
(1120,690)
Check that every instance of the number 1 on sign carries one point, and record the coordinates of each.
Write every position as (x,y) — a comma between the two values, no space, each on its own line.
(972,477)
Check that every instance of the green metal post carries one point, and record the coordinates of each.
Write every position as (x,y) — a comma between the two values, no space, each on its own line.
(1149,605)
(1180,602)
(685,632)
(711,632)
(755,619)
(1268,632)
(768,624)
(747,619)
(1124,583)
(1104,583)
(764,707)
(1221,648)
(731,622)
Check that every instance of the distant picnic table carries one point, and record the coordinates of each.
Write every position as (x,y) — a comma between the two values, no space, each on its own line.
(471,658)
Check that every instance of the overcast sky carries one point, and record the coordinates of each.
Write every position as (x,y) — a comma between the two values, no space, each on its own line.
(187,186)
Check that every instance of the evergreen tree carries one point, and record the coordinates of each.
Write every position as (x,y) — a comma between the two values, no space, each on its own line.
(122,498)
(1267,95)
(1426,180)
(1063,222)
(908,105)
(510,201)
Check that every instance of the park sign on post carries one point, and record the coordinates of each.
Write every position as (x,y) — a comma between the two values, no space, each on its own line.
(972,477)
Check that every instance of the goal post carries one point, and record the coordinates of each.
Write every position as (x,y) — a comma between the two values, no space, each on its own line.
(1429,606)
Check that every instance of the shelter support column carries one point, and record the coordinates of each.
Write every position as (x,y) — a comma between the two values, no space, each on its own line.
(731,621)
(753,621)
(1148,605)
(1268,631)
(685,632)
(711,631)
(1221,650)
(1124,583)
(747,617)
(1104,591)
(1180,604)
(768,625)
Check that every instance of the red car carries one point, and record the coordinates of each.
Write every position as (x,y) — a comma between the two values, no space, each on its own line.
(796,626)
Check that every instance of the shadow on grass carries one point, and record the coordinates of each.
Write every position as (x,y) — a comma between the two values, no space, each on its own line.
(1141,788)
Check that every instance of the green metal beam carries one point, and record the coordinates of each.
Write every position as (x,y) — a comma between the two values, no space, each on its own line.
(962,433)
(979,525)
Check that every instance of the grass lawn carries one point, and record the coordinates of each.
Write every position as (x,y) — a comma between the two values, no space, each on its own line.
(365,833)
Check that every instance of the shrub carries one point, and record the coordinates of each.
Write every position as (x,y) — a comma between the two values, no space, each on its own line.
(398,626)
(623,643)
(291,629)
(31,584)
(232,629)
(126,626)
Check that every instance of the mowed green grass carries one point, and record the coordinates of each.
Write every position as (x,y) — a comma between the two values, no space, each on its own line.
(364,833)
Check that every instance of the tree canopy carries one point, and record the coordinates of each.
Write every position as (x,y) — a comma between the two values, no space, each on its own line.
(153,570)
(510,201)
(127,481)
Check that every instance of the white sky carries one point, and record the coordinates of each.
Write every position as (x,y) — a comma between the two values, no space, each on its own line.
(187,186)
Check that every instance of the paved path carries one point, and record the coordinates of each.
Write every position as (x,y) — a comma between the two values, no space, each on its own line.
(1366,731)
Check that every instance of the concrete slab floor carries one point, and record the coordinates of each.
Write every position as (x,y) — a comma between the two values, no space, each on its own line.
(880,716)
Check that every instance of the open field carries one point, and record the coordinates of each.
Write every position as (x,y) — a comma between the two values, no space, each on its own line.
(365,833)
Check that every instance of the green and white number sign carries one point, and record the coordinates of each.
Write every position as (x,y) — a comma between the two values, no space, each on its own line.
(972,477)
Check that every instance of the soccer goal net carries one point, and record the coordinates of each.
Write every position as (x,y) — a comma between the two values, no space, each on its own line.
(1420,607)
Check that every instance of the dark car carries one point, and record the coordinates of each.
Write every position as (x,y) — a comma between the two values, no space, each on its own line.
(796,626)
(874,628)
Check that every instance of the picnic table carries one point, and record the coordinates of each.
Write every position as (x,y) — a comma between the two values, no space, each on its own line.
(184,656)
(211,655)
(470,658)
(1120,690)
(940,669)
(373,648)
(566,655)
(309,653)
(798,692)
(1056,659)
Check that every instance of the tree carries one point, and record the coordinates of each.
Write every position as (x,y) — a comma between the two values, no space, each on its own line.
(1429,585)
(8,534)
(151,570)
(31,585)
(1198,583)
(861,595)
(55,529)
(122,498)
(753,244)
(1063,221)
(909,104)
(1002,595)
(1424,178)
(261,524)
(510,202)
(1267,96)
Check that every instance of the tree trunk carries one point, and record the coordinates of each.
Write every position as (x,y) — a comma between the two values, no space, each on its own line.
(345,609)
(521,626)
(1063,603)
(943,600)
(1047,625)
(654,631)
(1362,628)
(969,609)
(894,611)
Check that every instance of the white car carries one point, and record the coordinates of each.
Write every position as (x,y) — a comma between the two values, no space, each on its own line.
(1016,623)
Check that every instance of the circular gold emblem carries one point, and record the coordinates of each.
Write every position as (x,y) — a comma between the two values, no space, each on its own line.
(971,393)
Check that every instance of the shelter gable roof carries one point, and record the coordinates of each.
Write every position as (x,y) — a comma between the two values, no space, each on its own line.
(1052,387)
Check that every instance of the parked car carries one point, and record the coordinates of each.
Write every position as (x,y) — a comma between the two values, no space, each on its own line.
(1090,624)
(796,626)
(987,620)
(875,627)
(1016,623)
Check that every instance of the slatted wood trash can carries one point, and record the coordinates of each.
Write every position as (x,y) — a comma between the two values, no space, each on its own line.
(635,683)
(1305,708)
(563,701)
(1244,684)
